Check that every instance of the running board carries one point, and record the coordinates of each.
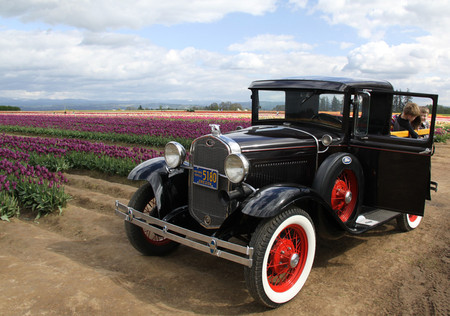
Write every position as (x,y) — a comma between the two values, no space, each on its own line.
(371,219)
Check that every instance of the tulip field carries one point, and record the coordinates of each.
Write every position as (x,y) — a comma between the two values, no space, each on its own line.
(146,129)
(32,166)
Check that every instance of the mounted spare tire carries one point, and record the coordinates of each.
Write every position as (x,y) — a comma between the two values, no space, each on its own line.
(340,182)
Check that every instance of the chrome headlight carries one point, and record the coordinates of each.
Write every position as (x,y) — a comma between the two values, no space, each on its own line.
(236,167)
(174,153)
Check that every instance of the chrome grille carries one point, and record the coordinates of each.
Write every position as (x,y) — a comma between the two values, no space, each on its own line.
(204,203)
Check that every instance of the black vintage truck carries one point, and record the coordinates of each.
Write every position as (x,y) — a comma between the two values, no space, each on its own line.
(319,161)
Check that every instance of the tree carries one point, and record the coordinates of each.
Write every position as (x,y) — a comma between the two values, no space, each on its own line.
(336,104)
(399,101)
(9,108)
(324,104)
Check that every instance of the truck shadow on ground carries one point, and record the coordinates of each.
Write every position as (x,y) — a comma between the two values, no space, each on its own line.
(186,280)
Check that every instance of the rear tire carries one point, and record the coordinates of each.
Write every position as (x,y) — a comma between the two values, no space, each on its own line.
(284,249)
(408,222)
(146,242)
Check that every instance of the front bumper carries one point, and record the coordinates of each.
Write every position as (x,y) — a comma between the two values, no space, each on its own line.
(214,246)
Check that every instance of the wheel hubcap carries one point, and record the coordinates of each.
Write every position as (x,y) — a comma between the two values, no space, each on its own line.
(348,197)
(295,258)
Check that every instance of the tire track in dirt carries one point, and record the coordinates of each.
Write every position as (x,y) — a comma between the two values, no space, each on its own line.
(80,262)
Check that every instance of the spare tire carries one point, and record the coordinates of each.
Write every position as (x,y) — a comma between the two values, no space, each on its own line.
(340,182)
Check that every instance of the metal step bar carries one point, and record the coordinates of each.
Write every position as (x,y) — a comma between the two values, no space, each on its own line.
(214,246)
(376,217)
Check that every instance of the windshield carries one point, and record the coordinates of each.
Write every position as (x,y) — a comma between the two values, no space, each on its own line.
(301,106)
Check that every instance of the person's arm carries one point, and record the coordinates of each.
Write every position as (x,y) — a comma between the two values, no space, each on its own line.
(407,125)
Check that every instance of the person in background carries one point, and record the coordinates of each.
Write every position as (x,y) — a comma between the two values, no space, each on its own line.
(424,124)
(405,120)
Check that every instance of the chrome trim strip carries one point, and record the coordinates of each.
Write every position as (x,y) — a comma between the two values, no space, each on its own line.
(232,144)
(316,140)
(276,148)
(214,246)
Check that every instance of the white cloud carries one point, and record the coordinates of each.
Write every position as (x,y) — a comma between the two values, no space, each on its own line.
(270,43)
(100,15)
(50,64)
(97,64)
(372,18)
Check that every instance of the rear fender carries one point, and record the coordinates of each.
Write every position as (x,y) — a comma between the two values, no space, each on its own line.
(169,185)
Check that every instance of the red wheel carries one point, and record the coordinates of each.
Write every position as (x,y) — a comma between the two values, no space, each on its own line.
(344,194)
(284,248)
(287,258)
(407,222)
(151,237)
(144,240)
(340,182)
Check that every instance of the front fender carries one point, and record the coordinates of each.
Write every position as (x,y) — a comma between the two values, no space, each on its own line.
(270,201)
(169,185)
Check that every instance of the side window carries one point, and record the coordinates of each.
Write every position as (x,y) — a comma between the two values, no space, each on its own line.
(272,104)
(410,117)
(361,104)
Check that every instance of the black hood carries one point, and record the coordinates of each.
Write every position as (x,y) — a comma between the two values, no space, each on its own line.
(271,137)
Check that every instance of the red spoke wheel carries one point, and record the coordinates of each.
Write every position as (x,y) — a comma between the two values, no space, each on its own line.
(284,248)
(287,258)
(344,194)
(144,240)
(151,237)
(408,222)
(339,180)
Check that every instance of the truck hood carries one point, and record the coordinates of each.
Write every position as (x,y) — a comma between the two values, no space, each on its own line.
(272,137)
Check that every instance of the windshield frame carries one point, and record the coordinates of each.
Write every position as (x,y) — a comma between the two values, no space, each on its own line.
(272,117)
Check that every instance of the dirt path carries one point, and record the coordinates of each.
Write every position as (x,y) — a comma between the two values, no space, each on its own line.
(80,263)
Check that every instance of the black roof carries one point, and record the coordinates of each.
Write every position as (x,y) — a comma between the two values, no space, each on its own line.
(321,83)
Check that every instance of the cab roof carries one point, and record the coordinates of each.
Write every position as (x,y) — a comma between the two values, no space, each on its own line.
(322,83)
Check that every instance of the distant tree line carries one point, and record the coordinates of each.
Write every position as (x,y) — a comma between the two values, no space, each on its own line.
(399,102)
(9,108)
(224,106)
(441,109)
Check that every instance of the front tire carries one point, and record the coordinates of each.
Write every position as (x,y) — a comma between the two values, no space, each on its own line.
(284,249)
(146,242)
(408,222)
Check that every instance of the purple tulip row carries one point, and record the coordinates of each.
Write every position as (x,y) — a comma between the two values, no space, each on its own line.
(185,128)
(14,171)
(59,147)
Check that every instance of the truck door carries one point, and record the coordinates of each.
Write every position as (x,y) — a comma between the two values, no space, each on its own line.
(397,167)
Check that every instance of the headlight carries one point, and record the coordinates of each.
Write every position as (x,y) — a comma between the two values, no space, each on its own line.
(236,167)
(174,153)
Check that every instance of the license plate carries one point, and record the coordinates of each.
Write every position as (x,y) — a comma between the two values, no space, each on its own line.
(206,177)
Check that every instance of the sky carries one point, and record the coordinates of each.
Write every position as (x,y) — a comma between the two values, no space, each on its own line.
(213,49)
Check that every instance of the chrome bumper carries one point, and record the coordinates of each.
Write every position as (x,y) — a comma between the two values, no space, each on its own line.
(217,247)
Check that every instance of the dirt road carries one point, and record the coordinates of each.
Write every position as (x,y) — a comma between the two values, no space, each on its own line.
(80,263)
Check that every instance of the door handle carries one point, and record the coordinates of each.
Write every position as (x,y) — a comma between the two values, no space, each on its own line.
(426,151)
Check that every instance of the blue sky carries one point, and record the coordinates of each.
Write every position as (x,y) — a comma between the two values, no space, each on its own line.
(212,49)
